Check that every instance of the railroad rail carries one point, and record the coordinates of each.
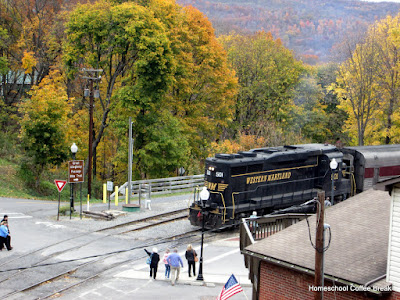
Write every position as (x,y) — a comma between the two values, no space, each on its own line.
(92,264)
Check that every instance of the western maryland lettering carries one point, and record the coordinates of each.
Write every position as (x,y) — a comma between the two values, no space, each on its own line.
(270,177)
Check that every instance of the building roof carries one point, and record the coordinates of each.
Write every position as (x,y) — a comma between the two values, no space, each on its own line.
(359,241)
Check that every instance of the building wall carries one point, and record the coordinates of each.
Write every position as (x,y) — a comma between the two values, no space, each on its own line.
(393,266)
(284,284)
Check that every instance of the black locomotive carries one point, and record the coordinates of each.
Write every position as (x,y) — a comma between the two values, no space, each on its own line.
(269,179)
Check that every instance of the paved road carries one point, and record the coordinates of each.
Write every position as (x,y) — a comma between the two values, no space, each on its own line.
(33,225)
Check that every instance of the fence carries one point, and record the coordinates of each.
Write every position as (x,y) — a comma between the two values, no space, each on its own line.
(146,188)
(258,228)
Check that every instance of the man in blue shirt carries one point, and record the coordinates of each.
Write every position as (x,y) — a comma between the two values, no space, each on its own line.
(175,261)
(4,238)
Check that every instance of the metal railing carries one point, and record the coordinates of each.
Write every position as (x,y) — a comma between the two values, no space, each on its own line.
(254,229)
(148,187)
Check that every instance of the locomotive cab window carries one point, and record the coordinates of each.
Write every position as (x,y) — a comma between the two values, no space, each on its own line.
(255,168)
(239,170)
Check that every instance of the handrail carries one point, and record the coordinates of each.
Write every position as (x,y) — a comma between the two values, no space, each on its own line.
(162,185)
(254,229)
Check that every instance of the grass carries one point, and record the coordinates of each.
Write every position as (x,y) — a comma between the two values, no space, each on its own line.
(11,186)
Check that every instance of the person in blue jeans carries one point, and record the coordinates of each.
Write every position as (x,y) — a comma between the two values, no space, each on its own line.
(175,261)
(167,266)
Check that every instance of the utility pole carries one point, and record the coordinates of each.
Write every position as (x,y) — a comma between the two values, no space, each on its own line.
(92,76)
(319,248)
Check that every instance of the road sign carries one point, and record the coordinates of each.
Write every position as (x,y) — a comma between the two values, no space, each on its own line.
(75,171)
(60,184)
(110,185)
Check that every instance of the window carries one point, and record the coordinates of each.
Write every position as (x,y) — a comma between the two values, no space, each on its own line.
(239,170)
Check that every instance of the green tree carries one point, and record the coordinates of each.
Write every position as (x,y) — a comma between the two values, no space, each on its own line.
(130,45)
(311,118)
(197,105)
(43,126)
(267,73)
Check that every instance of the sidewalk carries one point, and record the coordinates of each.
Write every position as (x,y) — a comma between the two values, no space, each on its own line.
(221,259)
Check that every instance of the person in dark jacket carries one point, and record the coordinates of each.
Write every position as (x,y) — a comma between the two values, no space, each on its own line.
(5,237)
(155,258)
(190,257)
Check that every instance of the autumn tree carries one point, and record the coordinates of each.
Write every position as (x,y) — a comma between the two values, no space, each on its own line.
(358,91)
(203,92)
(43,133)
(198,104)
(388,77)
(127,42)
(267,73)
(369,85)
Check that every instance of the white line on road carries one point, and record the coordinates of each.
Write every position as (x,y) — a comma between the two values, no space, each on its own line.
(15,215)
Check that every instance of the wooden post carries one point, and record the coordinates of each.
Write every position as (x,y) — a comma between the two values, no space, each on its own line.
(319,251)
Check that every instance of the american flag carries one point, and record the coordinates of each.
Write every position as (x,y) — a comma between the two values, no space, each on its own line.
(231,288)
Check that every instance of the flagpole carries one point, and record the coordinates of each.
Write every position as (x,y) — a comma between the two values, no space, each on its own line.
(245,295)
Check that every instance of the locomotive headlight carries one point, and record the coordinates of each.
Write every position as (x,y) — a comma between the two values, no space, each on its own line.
(211,168)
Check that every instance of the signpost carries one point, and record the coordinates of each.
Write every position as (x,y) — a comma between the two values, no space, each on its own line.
(75,175)
(60,184)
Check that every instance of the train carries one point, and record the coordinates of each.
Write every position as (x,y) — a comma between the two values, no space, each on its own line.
(266,180)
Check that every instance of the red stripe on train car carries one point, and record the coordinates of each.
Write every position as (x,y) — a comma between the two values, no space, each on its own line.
(383,171)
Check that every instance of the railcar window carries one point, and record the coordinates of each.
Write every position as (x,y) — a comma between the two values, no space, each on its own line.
(238,170)
(254,168)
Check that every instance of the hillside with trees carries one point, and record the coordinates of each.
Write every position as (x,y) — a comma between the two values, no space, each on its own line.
(188,92)
(312,28)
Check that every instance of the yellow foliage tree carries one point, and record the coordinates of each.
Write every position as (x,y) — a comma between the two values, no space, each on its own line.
(43,127)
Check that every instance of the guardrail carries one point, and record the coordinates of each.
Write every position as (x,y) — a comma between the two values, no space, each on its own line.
(254,229)
(148,187)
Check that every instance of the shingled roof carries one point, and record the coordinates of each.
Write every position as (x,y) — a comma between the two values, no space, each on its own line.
(359,244)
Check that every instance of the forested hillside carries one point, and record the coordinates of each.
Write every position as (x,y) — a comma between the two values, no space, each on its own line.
(187,92)
(311,28)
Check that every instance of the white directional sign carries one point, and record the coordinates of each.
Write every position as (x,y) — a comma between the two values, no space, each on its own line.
(110,186)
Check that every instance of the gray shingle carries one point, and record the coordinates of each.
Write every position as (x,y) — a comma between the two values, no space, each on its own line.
(358,249)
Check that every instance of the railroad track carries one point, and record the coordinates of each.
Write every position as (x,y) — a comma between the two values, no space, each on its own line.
(41,262)
(140,224)
(76,274)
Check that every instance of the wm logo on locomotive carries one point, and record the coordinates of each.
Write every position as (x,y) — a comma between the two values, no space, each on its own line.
(216,186)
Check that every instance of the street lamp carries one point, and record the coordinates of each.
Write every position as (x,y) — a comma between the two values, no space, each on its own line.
(204,195)
(74,149)
(333,164)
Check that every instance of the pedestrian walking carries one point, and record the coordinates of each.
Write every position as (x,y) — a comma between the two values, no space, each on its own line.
(191,257)
(5,235)
(167,266)
(4,238)
(154,259)
(175,261)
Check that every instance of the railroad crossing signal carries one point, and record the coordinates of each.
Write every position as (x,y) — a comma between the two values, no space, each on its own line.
(60,184)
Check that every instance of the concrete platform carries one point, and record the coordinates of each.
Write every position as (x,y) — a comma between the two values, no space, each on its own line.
(222,258)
